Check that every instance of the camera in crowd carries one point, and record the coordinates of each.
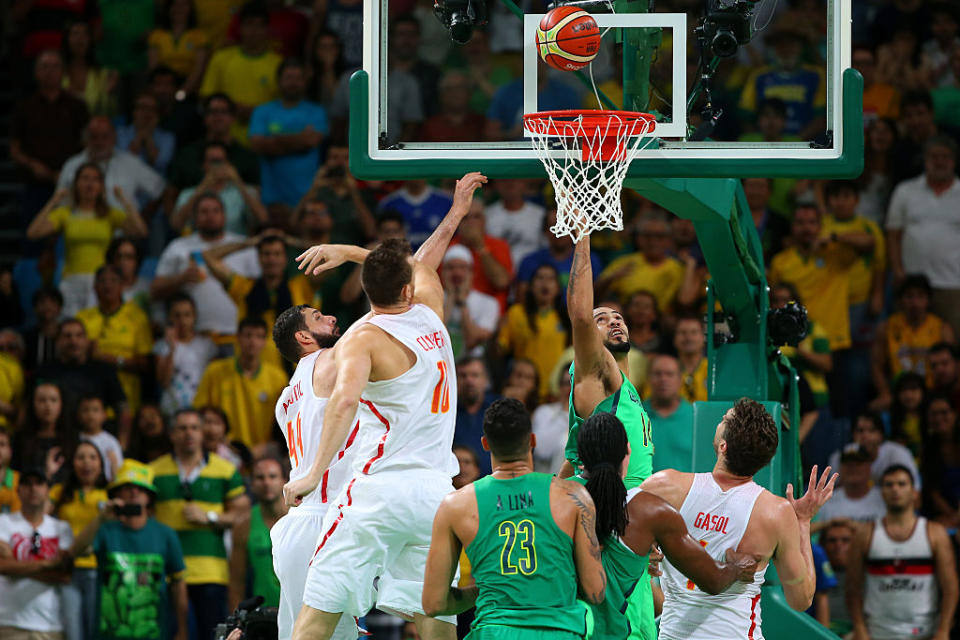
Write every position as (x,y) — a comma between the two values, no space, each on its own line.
(726,26)
(460,17)
(787,325)
(254,621)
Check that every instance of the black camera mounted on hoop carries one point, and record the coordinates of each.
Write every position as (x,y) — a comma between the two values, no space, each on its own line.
(460,17)
(254,621)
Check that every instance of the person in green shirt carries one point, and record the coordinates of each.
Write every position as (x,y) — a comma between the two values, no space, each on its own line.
(530,539)
(671,414)
(251,557)
(629,522)
(599,383)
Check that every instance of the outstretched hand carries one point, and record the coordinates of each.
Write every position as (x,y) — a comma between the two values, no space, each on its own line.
(320,258)
(463,194)
(818,492)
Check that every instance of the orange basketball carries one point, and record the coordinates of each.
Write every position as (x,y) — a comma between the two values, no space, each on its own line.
(568,38)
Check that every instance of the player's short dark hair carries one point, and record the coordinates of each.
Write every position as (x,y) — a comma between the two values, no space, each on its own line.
(751,435)
(253,10)
(506,425)
(285,332)
(252,322)
(601,447)
(838,187)
(897,468)
(915,282)
(48,293)
(386,271)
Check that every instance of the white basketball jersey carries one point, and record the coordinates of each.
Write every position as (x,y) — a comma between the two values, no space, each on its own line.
(718,519)
(408,422)
(299,413)
(902,597)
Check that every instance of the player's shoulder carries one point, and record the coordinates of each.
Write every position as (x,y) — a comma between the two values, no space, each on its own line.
(669,484)
(458,502)
(571,491)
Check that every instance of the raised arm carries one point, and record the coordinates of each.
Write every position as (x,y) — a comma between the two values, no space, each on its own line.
(354,361)
(431,252)
(685,553)
(588,348)
(439,598)
(586,548)
(213,257)
(793,556)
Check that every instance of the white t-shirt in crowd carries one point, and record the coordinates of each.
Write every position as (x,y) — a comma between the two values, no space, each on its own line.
(549,422)
(108,446)
(26,603)
(215,310)
(865,509)
(138,180)
(522,229)
(484,310)
(190,360)
(931,230)
(889,454)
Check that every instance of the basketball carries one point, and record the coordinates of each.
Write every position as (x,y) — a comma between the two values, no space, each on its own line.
(568,38)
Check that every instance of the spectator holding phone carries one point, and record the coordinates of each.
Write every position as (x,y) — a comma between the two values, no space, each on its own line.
(140,569)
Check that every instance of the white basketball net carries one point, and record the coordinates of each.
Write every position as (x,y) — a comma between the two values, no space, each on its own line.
(587,166)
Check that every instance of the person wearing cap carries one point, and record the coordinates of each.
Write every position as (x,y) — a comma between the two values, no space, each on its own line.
(140,569)
(34,561)
(471,316)
(856,499)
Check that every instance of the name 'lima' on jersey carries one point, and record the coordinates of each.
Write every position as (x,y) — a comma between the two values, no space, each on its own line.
(408,422)
(718,519)
(299,413)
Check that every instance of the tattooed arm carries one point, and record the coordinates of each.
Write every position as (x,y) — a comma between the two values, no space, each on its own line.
(588,347)
(586,549)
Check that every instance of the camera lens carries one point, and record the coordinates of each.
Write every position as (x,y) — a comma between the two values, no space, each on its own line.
(724,43)
(460,28)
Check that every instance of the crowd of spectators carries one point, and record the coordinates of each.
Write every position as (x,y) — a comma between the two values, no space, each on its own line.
(175,156)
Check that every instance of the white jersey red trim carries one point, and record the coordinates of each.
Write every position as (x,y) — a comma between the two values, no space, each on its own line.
(718,519)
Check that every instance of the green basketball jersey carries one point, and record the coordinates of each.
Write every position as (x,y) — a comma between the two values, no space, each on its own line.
(260,559)
(625,404)
(625,569)
(522,561)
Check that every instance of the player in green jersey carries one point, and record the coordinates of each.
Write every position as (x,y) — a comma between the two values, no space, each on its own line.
(530,538)
(628,522)
(598,383)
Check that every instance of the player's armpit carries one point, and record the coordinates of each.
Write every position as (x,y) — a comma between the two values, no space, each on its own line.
(586,547)
(439,598)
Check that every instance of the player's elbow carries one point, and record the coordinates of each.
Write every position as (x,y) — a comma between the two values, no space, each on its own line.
(800,600)
(432,605)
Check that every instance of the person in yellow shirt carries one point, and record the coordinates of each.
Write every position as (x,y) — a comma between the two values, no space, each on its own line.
(76,502)
(119,332)
(818,267)
(650,268)
(180,45)
(903,340)
(690,342)
(246,72)
(11,390)
(538,329)
(245,387)
(9,501)
(87,223)
(269,295)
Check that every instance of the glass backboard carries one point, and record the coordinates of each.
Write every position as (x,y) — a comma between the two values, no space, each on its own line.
(739,88)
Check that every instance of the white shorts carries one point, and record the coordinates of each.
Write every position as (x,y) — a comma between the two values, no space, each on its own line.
(294,539)
(379,531)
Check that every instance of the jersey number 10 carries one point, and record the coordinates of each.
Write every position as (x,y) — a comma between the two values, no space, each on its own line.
(441,393)
(510,531)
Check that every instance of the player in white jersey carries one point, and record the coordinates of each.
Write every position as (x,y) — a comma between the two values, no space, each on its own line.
(398,367)
(906,564)
(306,337)
(726,509)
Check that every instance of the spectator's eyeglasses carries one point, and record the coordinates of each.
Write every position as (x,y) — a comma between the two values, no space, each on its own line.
(187,491)
(36,543)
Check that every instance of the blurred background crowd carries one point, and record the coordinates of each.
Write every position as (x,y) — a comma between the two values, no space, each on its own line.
(166,160)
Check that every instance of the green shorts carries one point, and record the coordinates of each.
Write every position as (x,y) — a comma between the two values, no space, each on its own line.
(503,632)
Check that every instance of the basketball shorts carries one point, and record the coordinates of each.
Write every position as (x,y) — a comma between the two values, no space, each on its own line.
(503,632)
(378,531)
(294,538)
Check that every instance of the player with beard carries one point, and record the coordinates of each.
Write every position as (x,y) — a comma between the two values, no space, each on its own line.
(305,337)
(599,383)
